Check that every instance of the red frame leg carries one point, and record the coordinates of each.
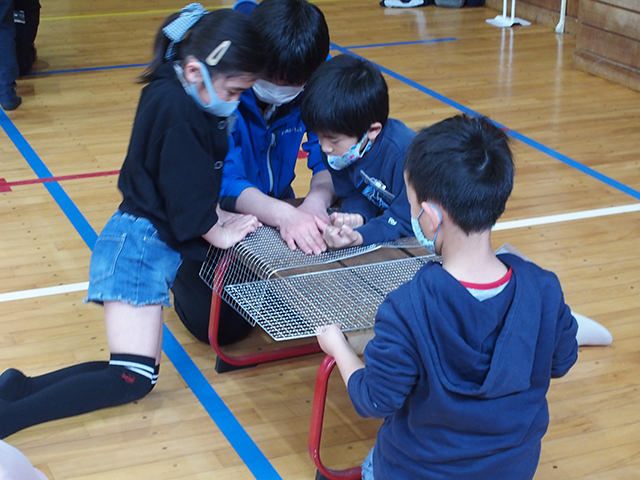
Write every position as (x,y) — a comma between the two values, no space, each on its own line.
(317,416)
(252,358)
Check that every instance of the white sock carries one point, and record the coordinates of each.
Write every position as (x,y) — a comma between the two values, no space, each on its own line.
(591,332)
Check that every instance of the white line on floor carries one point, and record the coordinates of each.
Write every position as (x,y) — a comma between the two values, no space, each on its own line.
(567,217)
(564,217)
(43,292)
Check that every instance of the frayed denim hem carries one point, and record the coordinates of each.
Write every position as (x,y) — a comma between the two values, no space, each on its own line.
(99,299)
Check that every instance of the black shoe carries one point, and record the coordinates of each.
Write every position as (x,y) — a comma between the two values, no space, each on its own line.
(12,104)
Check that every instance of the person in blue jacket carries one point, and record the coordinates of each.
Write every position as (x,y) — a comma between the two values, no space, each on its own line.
(265,145)
(463,354)
(259,168)
(346,103)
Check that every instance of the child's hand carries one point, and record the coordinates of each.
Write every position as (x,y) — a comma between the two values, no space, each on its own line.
(317,210)
(228,234)
(331,339)
(335,344)
(225,216)
(353,220)
(342,237)
(300,229)
(239,227)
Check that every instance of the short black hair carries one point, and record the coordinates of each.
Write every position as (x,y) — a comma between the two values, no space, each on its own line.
(465,165)
(295,37)
(345,96)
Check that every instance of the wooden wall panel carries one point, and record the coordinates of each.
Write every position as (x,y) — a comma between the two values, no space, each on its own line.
(628,4)
(611,18)
(608,40)
(615,48)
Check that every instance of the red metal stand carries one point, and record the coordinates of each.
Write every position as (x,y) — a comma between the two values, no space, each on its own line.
(317,416)
(251,359)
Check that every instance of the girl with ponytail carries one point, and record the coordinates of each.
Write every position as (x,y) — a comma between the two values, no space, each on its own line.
(170,182)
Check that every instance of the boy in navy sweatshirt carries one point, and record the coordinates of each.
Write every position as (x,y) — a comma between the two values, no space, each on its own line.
(346,103)
(463,354)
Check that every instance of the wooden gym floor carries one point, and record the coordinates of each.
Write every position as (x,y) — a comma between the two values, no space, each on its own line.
(575,210)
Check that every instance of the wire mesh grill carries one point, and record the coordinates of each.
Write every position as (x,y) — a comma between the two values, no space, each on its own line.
(292,307)
(263,254)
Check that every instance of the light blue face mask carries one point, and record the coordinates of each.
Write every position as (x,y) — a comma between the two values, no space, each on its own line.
(216,106)
(430,245)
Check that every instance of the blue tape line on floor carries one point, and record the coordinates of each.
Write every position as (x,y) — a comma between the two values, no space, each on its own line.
(242,443)
(250,454)
(91,69)
(395,44)
(74,215)
(137,65)
(524,139)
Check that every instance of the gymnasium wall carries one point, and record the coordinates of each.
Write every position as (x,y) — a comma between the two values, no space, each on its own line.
(607,33)
(608,40)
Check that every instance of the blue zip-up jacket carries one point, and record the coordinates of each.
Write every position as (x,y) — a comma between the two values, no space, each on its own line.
(461,383)
(384,221)
(264,155)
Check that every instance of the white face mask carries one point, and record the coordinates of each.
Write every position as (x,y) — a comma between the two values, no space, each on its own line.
(273,94)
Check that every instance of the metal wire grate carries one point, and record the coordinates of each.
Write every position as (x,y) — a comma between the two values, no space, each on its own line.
(292,307)
(264,254)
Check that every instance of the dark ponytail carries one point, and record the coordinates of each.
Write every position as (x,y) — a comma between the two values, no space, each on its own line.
(245,54)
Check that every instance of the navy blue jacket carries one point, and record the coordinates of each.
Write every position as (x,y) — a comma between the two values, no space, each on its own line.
(461,383)
(384,162)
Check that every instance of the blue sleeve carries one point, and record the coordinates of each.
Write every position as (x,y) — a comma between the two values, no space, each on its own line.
(312,147)
(565,353)
(358,203)
(394,222)
(352,199)
(391,364)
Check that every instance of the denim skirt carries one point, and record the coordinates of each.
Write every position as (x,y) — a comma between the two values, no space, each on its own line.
(131,264)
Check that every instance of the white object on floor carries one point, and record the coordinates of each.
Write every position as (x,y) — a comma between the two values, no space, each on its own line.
(401,4)
(563,14)
(591,332)
(503,21)
(15,466)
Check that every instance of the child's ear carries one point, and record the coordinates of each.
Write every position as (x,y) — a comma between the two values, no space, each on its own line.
(374,131)
(433,214)
(192,73)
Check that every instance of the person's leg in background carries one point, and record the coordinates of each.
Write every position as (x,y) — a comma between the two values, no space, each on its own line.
(192,303)
(27,20)
(9,99)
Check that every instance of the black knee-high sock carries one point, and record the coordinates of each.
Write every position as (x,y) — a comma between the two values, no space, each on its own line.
(124,379)
(15,385)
